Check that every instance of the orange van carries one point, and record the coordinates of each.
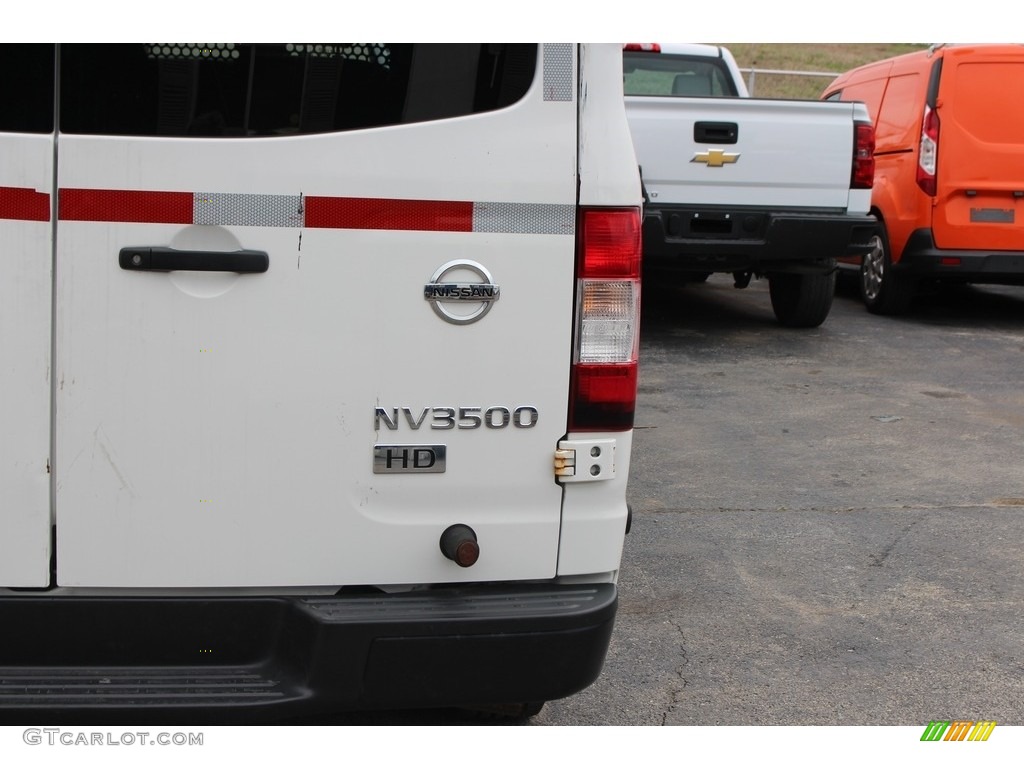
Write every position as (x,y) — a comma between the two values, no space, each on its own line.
(949,169)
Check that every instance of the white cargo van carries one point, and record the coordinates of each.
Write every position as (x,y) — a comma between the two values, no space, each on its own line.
(319,368)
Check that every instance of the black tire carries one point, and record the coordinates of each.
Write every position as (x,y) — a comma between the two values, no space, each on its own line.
(741,279)
(802,301)
(883,290)
(509,712)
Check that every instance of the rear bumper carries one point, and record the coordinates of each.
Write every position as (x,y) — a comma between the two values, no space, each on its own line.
(921,258)
(701,239)
(246,659)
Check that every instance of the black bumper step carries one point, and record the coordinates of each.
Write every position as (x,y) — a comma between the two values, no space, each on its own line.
(49,688)
(245,659)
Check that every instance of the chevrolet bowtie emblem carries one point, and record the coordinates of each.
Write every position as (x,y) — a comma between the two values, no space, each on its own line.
(716,158)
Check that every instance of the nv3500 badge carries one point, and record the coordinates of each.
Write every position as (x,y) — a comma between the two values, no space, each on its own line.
(462,417)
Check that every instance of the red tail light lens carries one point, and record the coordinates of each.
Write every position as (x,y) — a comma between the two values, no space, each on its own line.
(928,154)
(609,245)
(607,334)
(863,156)
(648,47)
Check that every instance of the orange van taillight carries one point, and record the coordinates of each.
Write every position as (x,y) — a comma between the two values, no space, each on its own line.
(927,156)
(607,328)
(863,156)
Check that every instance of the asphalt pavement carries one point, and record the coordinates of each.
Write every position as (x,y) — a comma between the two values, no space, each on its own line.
(828,523)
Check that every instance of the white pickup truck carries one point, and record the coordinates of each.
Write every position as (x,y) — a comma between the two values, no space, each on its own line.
(753,187)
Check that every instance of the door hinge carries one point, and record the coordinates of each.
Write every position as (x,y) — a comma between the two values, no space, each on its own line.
(585,461)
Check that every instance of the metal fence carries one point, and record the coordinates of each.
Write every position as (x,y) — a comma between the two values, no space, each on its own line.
(786,83)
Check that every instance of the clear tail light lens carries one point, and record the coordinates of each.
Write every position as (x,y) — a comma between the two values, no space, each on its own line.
(607,323)
(927,158)
(607,333)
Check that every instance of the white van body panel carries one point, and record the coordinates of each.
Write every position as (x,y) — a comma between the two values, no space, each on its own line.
(217,429)
(25,312)
(607,176)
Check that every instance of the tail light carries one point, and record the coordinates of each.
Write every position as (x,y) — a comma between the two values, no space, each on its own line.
(646,47)
(863,156)
(607,331)
(927,158)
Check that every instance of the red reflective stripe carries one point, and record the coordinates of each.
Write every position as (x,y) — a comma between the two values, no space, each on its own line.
(116,205)
(125,206)
(380,213)
(24,204)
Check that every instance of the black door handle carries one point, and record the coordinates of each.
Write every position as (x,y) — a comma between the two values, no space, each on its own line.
(168,259)
(716,133)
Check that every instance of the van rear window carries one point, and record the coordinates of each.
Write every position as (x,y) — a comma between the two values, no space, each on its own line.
(26,90)
(240,90)
(660,74)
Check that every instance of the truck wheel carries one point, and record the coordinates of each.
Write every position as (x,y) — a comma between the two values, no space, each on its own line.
(510,712)
(802,301)
(883,290)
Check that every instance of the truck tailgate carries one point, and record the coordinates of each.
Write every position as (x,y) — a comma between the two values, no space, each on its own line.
(736,152)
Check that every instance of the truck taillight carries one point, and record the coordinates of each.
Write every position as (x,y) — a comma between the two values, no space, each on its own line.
(607,330)
(646,47)
(927,157)
(863,156)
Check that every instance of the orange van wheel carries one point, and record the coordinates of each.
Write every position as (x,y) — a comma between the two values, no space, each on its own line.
(884,291)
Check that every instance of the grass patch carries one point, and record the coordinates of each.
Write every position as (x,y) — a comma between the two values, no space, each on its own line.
(829,58)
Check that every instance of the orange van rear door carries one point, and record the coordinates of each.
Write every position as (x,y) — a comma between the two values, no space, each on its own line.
(980,202)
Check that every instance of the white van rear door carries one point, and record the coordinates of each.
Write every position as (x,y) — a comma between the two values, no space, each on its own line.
(320,422)
(26,180)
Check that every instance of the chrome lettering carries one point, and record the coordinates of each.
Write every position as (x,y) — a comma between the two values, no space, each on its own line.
(461,292)
(517,416)
(463,417)
(470,415)
(409,459)
(406,458)
(503,417)
(391,422)
(414,423)
(444,418)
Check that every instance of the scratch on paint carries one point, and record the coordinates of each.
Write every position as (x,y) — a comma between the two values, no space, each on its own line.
(74,461)
(300,211)
(100,439)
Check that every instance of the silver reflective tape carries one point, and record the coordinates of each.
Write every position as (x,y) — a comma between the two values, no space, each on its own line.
(524,218)
(247,210)
(558,72)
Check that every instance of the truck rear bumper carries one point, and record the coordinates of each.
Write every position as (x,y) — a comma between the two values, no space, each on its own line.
(260,658)
(699,239)
(921,258)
